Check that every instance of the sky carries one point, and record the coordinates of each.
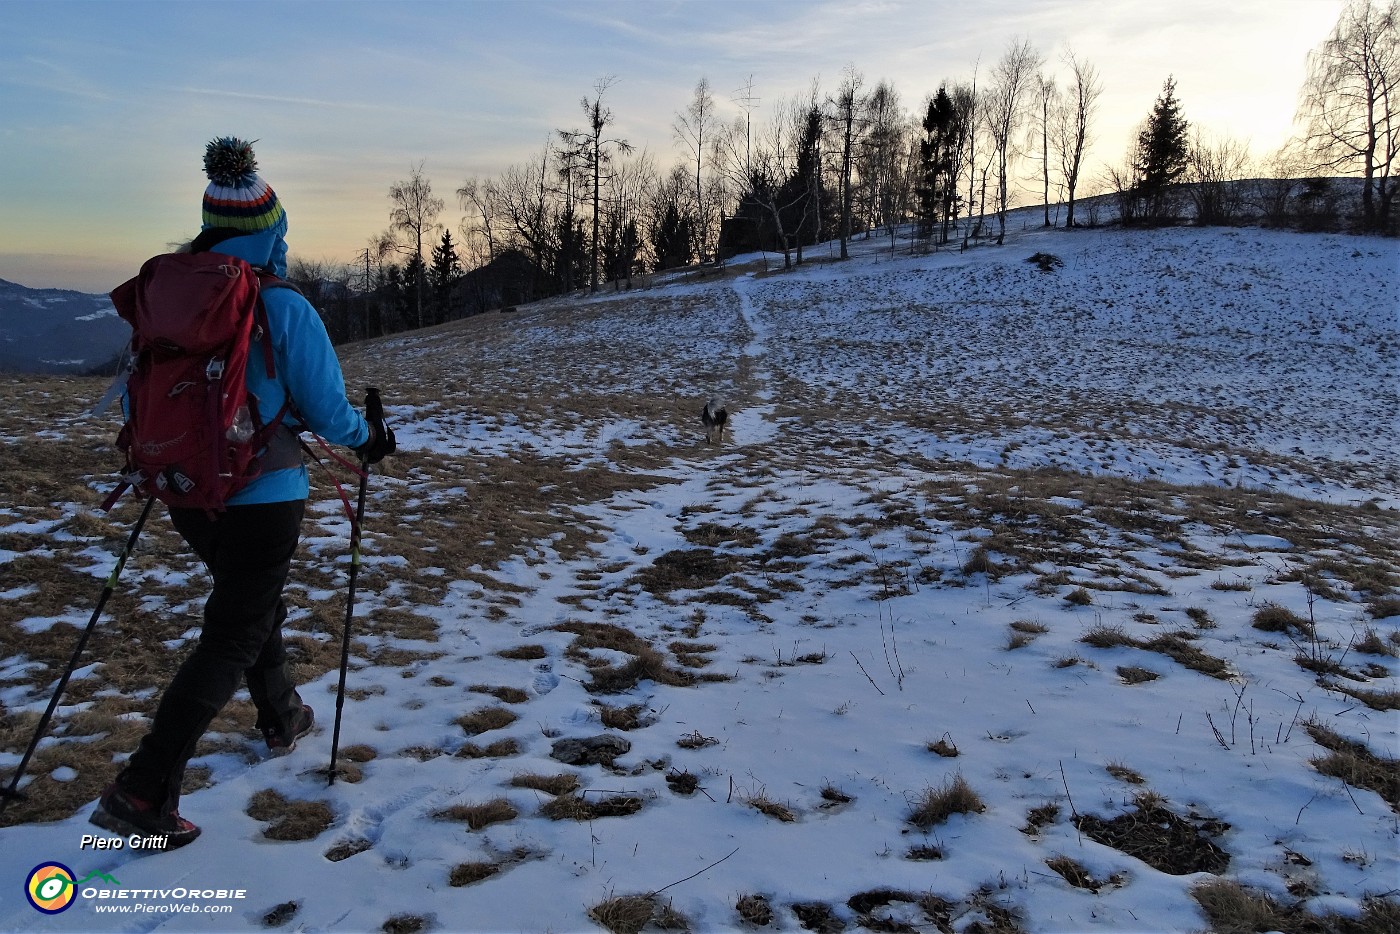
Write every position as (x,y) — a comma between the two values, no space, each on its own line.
(105,107)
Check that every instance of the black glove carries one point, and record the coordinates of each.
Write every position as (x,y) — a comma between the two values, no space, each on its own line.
(381,442)
(381,436)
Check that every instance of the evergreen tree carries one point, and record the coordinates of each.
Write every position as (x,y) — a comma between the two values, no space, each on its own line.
(409,302)
(391,298)
(442,276)
(620,247)
(935,158)
(671,239)
(808,206)
(1163,152)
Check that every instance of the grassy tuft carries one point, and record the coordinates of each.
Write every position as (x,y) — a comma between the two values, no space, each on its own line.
(289,820)
(754,910)
(529,652)
(479,816)
(562,784)
(506,695)
(936,805)
(1079,597)
(581,808)
(485,720)
(1274,618)
(469,873)
(765,805)
(1104,636)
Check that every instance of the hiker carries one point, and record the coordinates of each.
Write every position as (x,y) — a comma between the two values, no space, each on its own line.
(247,546)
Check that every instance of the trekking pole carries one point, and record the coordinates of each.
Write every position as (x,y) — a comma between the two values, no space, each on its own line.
(11,793)
(374,413)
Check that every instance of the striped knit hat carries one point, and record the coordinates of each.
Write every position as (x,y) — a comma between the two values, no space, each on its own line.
(236,196)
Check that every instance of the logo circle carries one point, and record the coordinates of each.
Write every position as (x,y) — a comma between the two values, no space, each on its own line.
(50,888)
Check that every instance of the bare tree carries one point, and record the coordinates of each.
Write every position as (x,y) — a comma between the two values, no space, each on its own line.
(1215,169)
(1071,126)
(626,215)
(1277,182)
(964,107)
(695,128)
(766,171)
(1012,77)
(885,159)
(594,150)
(479,201)
(847,117)
(974,133)
(528,208)
(415,214)
(1047,98)
(1350,103)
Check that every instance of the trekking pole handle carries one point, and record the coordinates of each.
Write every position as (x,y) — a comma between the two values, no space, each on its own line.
(374,408)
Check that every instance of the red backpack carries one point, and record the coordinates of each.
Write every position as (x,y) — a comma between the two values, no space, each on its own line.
(192,432)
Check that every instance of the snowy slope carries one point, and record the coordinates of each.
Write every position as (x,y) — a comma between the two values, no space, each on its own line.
(946,473)
(57,330)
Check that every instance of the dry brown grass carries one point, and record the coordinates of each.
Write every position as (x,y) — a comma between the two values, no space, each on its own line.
(479,816)
(754,910)
(629,914)
(766,806)
(1040,817)
(506,695)
(1178,647)
(1273,618)
(623,718)
(348,848)
(486,719)
(289,820)
(1376,700)
(1104,636)
(1234,909)
(1159,837)
(687,569)
(500,749)
(1371,643)
(529,652)
(1124,774)
(935,805)
(1133,674)
(473,872)
(696,740)
(582,808)
(1074,873)
(404,924)
(945,747)
(1354,763)
(562,784)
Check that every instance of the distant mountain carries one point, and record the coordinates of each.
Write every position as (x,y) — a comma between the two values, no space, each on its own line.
(57,330)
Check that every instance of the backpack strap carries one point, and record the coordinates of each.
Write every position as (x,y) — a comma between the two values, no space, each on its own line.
(262,329)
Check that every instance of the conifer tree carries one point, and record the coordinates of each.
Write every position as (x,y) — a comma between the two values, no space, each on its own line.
(442,275)
(935,158)
(1162,155)
(671,239)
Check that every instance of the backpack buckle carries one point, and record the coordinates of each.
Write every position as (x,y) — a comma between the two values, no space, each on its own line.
(215,369)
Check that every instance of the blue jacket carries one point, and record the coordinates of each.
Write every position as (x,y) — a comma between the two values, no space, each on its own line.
(307,370)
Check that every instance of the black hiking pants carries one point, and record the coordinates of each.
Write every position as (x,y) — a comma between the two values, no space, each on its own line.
(248,551)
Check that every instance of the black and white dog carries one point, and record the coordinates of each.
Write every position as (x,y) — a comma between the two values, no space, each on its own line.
(715,418)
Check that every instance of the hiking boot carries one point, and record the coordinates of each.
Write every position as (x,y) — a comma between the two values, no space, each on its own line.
(280,742)
(125,814)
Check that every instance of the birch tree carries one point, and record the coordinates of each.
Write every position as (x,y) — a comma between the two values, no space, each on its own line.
(1350,103)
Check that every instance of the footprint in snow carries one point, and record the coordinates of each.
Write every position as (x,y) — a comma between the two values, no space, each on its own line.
(545,679)
(368,823)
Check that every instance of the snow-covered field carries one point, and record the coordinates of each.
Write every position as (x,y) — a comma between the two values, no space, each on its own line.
(976,621)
